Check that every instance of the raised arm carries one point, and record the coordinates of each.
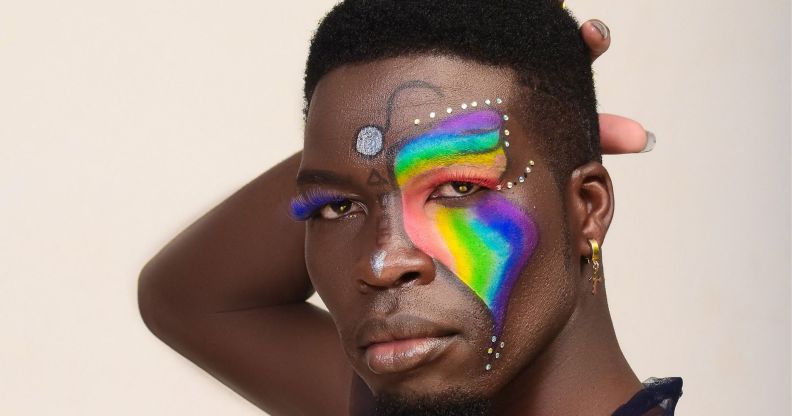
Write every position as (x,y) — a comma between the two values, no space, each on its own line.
(229,294)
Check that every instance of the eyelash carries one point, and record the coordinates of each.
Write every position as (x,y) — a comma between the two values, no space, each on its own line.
(463,176)
(306,206)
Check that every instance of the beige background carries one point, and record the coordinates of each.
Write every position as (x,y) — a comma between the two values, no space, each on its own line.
(122,122)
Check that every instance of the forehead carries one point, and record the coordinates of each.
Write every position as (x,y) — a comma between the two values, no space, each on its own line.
(355,96)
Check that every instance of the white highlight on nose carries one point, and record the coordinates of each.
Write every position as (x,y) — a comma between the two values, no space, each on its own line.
(378,263)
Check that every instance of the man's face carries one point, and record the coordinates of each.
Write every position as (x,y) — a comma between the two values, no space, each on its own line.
(435,231)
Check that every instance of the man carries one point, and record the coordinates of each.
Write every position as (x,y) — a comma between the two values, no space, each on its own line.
(454,206)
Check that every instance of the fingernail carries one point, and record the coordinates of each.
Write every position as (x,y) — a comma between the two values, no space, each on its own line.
(650,142)
(604,31)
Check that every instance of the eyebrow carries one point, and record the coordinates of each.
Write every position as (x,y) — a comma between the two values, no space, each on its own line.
(321,177)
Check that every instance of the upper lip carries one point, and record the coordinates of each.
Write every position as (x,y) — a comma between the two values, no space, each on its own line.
(399,327)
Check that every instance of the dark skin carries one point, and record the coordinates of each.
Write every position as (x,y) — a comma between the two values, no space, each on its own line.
(242,316)
(554,325)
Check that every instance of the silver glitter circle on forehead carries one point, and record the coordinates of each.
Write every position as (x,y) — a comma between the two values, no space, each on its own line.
(369,141)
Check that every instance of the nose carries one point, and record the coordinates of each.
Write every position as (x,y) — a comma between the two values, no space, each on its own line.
(400,264)
(395,261)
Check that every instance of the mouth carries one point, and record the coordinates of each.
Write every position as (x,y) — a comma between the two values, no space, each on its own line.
(403,343)
(405,354)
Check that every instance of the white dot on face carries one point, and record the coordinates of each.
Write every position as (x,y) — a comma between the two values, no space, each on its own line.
(417,121)
(369,141)
(474,104)
(432,115)
(464,106)
(449,110)
(488,102)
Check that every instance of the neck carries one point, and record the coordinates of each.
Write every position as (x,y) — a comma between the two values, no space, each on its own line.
(583,371)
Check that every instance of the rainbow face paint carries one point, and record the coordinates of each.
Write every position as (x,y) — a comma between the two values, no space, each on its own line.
(471,139)
(483,238)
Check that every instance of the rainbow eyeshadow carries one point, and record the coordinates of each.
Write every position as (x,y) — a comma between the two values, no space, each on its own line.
(485,244)
(470,139)
(305,205)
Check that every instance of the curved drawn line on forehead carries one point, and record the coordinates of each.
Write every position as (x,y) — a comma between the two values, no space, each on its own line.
(413,84)
(369,139)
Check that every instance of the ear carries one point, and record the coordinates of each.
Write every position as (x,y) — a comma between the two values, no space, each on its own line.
(590,205)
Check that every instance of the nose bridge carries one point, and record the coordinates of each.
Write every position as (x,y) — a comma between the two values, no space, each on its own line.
(394,260)
(390,224)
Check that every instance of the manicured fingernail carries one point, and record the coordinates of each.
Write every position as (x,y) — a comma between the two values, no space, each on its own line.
(604,31)
(650,142)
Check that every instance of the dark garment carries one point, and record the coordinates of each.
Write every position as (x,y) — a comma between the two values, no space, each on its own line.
(659,397)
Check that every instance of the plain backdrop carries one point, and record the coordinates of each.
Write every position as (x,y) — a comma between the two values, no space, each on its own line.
(123,122)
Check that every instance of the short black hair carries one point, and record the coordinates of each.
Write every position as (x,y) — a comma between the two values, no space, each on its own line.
(537,39)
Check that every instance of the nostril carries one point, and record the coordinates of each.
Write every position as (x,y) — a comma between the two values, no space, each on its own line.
(407,278)
(402,265)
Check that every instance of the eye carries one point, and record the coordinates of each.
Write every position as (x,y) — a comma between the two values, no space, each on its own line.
(339,209)
(455,190)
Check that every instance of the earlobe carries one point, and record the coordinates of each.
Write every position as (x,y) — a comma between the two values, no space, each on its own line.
(590,205)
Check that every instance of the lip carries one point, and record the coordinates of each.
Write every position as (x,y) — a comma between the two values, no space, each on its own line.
(401,343)
(404,354)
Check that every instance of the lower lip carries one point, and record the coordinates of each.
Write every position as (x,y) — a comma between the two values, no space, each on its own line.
(404,354)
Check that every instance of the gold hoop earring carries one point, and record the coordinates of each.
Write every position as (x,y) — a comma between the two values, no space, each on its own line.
(595,258)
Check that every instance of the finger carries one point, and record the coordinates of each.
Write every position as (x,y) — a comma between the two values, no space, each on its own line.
(619,135)
(597,37)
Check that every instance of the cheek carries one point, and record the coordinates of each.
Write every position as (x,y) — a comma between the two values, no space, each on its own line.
(486,246)
(330,255)
(422,221)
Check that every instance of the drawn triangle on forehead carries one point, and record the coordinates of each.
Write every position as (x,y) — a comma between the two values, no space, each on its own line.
(375,179)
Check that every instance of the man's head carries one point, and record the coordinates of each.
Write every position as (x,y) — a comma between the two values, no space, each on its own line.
(445,223)
(537,39)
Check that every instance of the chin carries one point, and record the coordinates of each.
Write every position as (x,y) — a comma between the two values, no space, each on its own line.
(424,382)
(448,402)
